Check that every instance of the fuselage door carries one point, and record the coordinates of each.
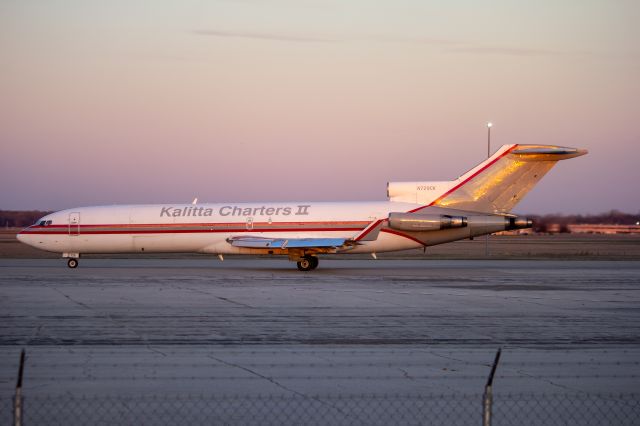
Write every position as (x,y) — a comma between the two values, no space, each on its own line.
(74,223)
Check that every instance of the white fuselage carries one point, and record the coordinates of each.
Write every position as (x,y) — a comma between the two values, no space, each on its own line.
(205,228)
(418,214)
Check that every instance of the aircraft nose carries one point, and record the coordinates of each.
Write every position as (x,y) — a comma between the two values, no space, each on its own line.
(22,236)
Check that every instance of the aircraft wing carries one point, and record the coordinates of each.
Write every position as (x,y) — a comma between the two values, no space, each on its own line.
(290,243)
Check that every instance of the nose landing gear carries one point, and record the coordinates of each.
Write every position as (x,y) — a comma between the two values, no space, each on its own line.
(72,263)
(308,263)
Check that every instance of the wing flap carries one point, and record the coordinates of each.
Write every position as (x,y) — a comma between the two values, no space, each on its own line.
(289,243)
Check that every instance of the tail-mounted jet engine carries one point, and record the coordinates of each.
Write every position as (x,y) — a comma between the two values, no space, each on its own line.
(519,223)
(425,222)
(478,223)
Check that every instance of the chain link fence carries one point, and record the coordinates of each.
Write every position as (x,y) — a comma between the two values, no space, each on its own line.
(455,409)
(567,409)
(304,408)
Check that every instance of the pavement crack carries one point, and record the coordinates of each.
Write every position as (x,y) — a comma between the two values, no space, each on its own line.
(195,290)
(255,373)
(71,299)
(450,358)
(280,385)
(373,299)
(549,381)
(233,301)
(156,351)
(405,373)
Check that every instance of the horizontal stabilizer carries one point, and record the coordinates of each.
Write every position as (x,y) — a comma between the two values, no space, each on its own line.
(548,153)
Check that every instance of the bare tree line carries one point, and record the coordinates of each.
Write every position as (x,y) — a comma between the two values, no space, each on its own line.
(20,218)
(613,217)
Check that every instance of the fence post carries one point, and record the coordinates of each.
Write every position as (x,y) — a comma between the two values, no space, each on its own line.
(487,397)
(17,401)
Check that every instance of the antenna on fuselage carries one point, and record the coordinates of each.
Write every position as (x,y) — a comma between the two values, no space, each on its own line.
(195,201)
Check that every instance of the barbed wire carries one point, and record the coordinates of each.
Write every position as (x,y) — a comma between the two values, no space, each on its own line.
(214,364)
(282,349)
(150,377)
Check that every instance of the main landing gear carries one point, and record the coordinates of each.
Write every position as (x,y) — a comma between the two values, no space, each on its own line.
(72,263)
(308,263)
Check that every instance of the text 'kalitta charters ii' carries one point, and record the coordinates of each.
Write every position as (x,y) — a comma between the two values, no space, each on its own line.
(237,211)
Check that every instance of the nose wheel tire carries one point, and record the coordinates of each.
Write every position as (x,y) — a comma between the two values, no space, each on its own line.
(72,263)
(308,263)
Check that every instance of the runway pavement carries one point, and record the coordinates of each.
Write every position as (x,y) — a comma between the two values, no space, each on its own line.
(352,325)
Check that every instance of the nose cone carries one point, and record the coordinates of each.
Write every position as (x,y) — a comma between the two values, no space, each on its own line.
(24,237)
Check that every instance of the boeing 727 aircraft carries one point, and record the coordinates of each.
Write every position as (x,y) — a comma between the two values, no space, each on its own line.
(417,214)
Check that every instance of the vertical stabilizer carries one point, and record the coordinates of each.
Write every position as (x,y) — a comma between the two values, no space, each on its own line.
(499,183)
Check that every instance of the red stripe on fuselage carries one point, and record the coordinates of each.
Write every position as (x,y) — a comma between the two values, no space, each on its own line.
(182,224)
(63,230)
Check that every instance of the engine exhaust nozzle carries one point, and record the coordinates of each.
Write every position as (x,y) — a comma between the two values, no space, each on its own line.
(519,223)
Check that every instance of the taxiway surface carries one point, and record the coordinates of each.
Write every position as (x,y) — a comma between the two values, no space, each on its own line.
(260,326)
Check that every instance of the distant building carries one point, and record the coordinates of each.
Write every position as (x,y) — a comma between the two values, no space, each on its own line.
(603,229)
(586,228)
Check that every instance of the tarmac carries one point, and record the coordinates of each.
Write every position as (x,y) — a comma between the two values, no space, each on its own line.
(258,326)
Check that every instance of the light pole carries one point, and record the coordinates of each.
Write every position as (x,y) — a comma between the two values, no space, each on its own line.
(486,238)
(489,126)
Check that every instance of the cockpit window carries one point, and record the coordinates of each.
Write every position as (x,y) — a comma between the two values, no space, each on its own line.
(48,223)
(44,223)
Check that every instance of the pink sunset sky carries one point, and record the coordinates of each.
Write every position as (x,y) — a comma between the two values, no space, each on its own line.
(252,100)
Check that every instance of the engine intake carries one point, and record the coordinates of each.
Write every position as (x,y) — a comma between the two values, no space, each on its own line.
(425,222)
